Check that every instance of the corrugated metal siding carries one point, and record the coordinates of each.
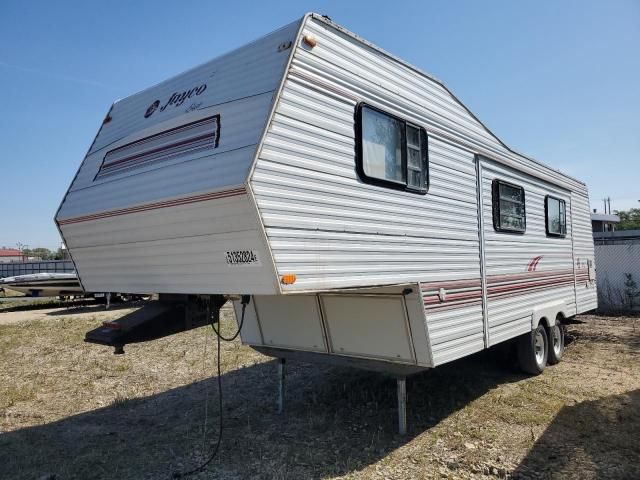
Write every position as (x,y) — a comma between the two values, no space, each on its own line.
(250,70)
(164,225)
(241,86)
(513,290)
(333,231)
(179,250)
(586,293)
(345,65)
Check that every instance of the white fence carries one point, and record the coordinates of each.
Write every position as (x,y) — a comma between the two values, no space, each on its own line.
(618,274)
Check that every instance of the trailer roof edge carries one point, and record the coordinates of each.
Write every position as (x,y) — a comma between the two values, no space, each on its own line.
(331,23)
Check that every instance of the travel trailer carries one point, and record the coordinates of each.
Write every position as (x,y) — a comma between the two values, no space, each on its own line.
(366,216)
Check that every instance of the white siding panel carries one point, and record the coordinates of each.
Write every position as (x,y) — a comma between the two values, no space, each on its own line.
(457,348)
(179,250)
(164,222)
(213,173)
(513,290)
(332,230)
(586,293)
(231,214)
(250,70)
(346,66)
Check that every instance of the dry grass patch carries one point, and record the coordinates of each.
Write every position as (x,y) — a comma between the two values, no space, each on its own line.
(77,411)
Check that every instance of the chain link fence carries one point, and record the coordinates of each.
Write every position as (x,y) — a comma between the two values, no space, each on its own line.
(618,276)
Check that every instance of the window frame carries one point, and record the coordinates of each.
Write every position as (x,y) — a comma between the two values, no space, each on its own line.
(495,201)
(395,185)
(546,217)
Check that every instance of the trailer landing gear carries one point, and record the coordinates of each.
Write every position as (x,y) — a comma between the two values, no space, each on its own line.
(402,405)
(281,374)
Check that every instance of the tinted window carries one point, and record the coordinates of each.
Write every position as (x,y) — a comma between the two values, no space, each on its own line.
(382,146)
(392,152)
(556,216)
(508,207)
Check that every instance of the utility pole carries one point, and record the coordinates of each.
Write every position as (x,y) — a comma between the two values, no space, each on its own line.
(21,247)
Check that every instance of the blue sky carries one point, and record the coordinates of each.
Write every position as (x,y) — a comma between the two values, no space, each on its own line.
(558,80)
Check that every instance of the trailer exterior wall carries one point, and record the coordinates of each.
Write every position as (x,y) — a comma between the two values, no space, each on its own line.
(583,251)
(163,223)
(529,270)
(333,231)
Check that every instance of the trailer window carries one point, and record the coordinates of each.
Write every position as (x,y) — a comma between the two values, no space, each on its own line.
(391,151)
(556,216)
(508,207)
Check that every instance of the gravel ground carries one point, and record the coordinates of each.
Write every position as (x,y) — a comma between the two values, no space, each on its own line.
(74,410)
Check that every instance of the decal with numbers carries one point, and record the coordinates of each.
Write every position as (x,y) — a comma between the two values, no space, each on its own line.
(242,258)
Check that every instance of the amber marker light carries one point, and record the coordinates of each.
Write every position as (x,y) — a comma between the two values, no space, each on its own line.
(288,279)
(310,40)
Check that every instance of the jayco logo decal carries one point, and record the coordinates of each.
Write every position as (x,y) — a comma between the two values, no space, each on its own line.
(176,99)
(152,108)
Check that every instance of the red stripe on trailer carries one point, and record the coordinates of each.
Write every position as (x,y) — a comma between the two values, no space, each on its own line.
(527,275)
(452,306)
(157,205)
(534,263)
(435,299)
(520,286)
(450,284)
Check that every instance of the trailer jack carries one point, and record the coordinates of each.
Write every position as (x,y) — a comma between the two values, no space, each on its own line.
(157,319)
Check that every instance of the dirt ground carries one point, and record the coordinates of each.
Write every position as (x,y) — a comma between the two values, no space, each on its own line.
(74,410)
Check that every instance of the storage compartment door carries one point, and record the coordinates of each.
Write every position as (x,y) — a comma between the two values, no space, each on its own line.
(373,326)
(290,321)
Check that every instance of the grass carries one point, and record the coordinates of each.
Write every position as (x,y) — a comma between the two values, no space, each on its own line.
(11,293)
(78,411)
(41,303)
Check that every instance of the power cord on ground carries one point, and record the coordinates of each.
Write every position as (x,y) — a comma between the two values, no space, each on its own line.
(219,337)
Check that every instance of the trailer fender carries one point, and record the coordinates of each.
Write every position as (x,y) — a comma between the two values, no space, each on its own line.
(547,313)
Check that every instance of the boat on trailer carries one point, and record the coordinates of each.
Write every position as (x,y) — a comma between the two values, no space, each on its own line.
(364,213)
(44,284)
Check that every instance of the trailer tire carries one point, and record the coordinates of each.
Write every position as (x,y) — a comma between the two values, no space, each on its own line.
(533,351)
(556,343)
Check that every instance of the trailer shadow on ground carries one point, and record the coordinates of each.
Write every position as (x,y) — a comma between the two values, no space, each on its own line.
(597,436)
(336,421)
(91,306)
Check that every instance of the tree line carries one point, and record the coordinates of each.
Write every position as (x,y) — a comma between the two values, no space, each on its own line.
(43,253)
(629,219)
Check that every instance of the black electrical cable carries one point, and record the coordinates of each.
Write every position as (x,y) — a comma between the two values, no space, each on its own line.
(216,448)
(245,300)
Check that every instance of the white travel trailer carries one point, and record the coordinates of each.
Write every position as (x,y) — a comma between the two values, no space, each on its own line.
(371,217)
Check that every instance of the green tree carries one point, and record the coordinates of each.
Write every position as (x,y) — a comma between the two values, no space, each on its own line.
(41,252)
(629,219)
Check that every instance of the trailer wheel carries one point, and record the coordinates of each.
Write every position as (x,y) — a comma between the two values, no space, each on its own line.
(533,351)
(556,343)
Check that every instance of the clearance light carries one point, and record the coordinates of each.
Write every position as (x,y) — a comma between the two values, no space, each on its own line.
(310,40)
(288,278)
